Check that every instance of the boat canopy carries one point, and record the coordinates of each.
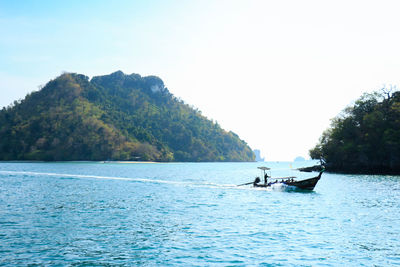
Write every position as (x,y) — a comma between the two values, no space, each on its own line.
(264,168)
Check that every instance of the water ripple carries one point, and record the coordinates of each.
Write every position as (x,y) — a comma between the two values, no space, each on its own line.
(191,215)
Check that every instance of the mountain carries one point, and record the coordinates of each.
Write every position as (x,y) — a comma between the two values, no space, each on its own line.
(112,117)
(365,137)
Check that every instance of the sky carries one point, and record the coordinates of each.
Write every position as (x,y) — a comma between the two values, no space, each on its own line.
(274,72)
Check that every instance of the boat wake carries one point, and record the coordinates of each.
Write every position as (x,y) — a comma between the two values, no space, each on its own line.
(143,180)
(274,187)
(80,176)
(283,187)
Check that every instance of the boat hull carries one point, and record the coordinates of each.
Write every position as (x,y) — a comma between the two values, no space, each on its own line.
(307,184)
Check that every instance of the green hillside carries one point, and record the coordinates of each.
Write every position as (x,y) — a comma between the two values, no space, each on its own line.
(364,138)
(112,117)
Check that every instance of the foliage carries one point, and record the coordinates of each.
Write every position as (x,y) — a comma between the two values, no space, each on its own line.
(112,117)
(365,137)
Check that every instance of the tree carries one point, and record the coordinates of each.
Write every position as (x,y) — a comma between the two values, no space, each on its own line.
(364,137)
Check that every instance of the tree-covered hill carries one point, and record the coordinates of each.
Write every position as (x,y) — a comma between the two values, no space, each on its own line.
(365,138)
(112,117)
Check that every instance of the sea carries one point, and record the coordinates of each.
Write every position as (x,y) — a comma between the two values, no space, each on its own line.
(193,214)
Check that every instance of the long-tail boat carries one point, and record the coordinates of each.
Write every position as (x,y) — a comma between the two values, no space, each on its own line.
(306,184)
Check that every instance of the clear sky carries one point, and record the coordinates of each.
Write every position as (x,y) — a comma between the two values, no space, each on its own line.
(274,72)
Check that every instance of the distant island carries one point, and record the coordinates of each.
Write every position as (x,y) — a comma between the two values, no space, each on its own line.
(297,159)
(257,152)
(112,117)
(365,137)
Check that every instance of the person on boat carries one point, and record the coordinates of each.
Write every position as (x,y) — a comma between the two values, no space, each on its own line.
(256,181)
(266,178)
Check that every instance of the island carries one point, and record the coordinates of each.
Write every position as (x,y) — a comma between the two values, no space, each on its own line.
(113,117)
(257,153)
(299,159)
(365,137)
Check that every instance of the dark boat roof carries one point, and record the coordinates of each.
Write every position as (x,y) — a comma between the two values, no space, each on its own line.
(264,168)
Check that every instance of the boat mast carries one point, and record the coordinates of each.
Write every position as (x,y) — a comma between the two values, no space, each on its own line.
(264,169)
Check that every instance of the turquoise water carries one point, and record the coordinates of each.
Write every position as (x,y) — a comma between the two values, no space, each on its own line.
(192,214)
